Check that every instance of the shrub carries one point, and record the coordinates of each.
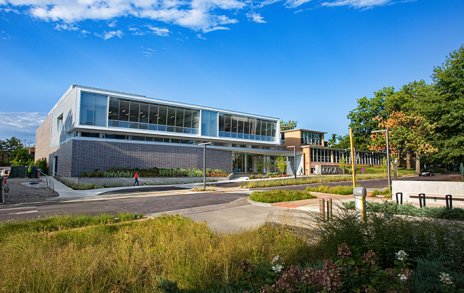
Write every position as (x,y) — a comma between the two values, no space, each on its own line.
(343,190)
(42,165)
(385,234)
(280,195)
(252,176)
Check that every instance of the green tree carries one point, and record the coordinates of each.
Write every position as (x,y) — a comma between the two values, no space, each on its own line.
(445,108)
(343,164)
(280,161)
(9,146)
(22,157)
(288,125)
(361,118)
(42,165)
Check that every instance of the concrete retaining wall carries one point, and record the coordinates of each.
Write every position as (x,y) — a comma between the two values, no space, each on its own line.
(127,181)
(435,190)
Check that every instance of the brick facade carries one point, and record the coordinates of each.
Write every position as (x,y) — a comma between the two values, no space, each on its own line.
(42,140)
(77,156)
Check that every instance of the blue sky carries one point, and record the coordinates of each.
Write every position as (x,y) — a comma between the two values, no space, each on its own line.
(305,60)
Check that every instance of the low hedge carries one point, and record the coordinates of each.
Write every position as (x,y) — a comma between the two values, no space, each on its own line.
(272,196)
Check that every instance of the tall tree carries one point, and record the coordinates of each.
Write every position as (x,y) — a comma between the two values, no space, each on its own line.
(288,125)
(445,108)
(407,134)
(362,118)
(8,146)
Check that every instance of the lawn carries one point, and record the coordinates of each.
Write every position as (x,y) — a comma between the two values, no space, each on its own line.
(343,190)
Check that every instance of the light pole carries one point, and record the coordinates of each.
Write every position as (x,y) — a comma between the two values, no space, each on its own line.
(294,158)
(204,163)
(388,158)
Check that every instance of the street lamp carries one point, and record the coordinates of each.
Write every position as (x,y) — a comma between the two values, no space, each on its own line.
(294,158)
(388,158)
(204,163)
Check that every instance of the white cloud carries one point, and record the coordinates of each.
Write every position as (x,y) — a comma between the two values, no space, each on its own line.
(194,14)
(216,28)
(163,32)
(295,3)
(66,27)
(110,34)
(200,37)
(356,3)
(20,124)
(256,17)
(112,23)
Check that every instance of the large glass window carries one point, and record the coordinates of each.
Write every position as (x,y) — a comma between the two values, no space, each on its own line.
(93,109)
(209,123)
(134,112)
(162,115)
(171,116)
(153,114)
(188,118)
(144,113)
(180,117)
(113,113)
(124,110)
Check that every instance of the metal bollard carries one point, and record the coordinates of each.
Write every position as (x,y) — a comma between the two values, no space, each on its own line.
(360,194)
(322,209)
(329,209)
(422,200)
(400,193)
(449,201)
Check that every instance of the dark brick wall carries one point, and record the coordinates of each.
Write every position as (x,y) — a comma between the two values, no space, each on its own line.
(64,154)
(90,155)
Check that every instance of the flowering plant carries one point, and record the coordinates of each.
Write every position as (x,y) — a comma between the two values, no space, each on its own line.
(352,272)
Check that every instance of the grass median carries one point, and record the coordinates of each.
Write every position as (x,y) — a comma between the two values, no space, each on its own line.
(273,196)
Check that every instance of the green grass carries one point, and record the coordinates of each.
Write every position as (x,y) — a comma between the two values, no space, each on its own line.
(132,256)
(343,190)
(280,195)
(307,180)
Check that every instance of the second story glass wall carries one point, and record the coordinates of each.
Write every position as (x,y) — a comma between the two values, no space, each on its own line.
(311,138)
(235,126)
(143,115)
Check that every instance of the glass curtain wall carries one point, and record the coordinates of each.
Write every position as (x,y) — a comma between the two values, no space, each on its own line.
(246,128)
(325,155)
(251,163)
(311,138)
(143,115)
(93,109)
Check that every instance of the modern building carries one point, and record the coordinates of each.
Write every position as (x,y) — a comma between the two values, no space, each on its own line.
(317,158)
(91,128)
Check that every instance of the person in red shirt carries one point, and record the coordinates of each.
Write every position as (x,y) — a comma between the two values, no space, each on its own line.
(136,179)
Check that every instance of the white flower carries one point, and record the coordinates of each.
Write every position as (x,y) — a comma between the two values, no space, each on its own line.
(277,268)
(446,279)
(402,277)
(401,255)
(276,259)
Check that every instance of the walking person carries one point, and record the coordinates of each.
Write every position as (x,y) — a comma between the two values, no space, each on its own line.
(136,179)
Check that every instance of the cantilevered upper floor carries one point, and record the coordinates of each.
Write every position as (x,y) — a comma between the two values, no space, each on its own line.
(86,110)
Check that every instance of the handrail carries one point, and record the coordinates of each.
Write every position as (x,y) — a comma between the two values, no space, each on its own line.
(47,179)
(63,179)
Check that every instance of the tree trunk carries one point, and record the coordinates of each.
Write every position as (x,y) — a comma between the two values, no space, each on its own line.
(408,161)
(417,163)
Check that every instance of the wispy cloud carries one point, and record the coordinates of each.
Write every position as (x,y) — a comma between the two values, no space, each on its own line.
(200,37)
(20,124)
(256,17)
(66,27)
(198,15)
(110,34)
(163,32)
(357,3)
(216,28)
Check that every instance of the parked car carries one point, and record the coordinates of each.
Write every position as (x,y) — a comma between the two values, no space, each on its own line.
(427,173)
(5,172)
